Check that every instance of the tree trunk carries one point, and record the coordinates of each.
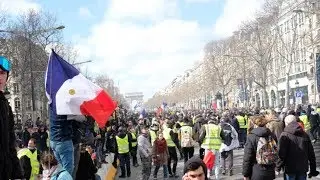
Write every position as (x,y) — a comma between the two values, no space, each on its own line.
(287,93)
(222,100)
(265,97)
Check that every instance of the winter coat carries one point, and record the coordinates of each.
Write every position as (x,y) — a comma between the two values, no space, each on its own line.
(60,174)
(86,168)
(314,119)
(295,150)
(250,166)
(9,166)
(43,141)
(144,146)
(160,158)
(276,127)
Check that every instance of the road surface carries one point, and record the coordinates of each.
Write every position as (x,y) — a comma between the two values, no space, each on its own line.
(237,164)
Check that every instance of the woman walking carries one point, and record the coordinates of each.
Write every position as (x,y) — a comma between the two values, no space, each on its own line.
(160,156)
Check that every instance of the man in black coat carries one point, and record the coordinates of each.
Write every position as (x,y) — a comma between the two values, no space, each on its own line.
(296,152)
(9,166)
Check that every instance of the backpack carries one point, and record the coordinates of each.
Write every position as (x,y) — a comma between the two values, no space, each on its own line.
(186,137)
(227,131)
(267,151)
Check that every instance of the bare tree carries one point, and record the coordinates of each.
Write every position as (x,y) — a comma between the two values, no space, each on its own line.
(259,42)
(221,69)
(32,33)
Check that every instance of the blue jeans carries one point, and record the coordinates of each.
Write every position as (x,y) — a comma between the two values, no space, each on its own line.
(296,176)
(63,152)
(165,171)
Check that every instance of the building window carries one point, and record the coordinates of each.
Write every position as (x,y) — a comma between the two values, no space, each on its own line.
(17,103)
(16,88)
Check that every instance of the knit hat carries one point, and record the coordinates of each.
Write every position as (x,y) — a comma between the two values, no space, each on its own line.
(289,119)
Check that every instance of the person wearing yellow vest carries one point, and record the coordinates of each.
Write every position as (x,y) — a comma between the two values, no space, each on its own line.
(123,147)
(304,118)
(30,160)
(211,137)
(172,143)
(134,150)
(307,125)
(187,140)
(243,123)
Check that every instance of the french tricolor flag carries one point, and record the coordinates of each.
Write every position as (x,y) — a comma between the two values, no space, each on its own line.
(70,93)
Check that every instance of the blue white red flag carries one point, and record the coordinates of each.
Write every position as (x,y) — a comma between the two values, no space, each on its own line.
(70,93)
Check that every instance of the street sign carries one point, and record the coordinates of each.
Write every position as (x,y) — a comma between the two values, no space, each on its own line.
(299,94)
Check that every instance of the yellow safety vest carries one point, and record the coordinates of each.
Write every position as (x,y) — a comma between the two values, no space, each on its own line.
(134,140)
(153,136)
(242,122)
(35,165)
(212,140)
(306,123)
(123,144)
(167,137)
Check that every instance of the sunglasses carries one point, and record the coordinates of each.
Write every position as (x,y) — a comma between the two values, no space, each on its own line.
(5,63)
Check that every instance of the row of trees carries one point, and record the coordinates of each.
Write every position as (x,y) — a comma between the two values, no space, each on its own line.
(264,51)
(27,40)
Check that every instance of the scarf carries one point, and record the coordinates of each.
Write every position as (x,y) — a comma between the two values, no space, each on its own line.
(161,145)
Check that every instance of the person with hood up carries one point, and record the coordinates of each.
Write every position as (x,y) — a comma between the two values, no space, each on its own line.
(251,168)
(9,166)
(229,143)
(195,169)
(123,147)
(296,152)
(145,152)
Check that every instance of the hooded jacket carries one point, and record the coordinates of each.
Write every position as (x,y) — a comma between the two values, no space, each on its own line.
(295,150)
(250,166)
(9,166)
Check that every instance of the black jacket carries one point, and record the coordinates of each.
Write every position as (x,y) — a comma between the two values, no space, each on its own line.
(86,168)
(250,167)
(295,150)
(9,166)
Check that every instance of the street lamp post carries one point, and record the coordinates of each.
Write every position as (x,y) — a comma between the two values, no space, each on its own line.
(30,55)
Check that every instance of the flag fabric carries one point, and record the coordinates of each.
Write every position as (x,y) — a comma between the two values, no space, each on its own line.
(70,93)
(159,111)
